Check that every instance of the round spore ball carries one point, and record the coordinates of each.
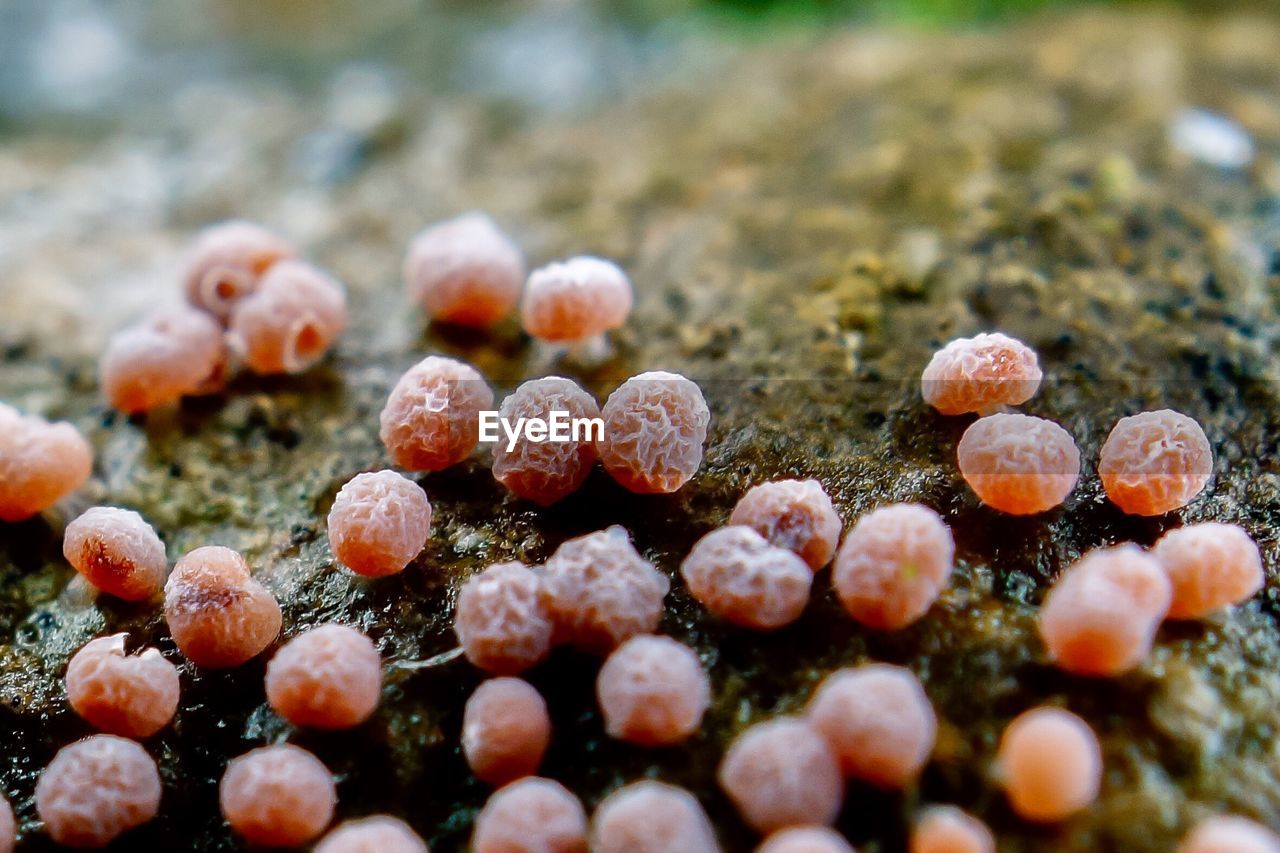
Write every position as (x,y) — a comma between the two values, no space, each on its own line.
(654,427)
(117,552)
(40,463)
(173,353)
(1101,615)
(782,773)
(980,374)
(329,677)
(290,321)
(376,834)
(805,839)
(878,721)
(1155,462)
(379,522)
(947,829)
(279,796)
(1018,464)
(533,814)
(893,565)
(599,591)
(651,817)
(1229,834)
(740,577)
(1210,566)
(464,271)
(546,471)
(134,696)
(218,615)
(652,691)
(1050,764)
(792,514)
(95,789)
(505,730)
(432,418)
(501,619)
(8,827)
(227,262)
(575,300)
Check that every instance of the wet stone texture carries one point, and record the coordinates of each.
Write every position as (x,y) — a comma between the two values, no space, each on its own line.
(804,224)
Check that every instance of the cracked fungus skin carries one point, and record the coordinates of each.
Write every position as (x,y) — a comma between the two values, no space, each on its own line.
(379,522)
(40,463)
(947,829)
(328,677)
(575,300)
(792,514)
(117,551)
(217,614)
(464,271)
(228,261)
(652,691)
(805,839)
(502,620)
(531,814)
(95,789)
(548,471)
(981,374)
(278,796)
(290,321)
(1229,834)
(1155,462)
(431,419)
(1210,566)
(133,696)
(505,730)
(740,577)
(782,773)
(171,354)
(651,817)
(376,834)
(600,591)
(1050,764)
(1018,464)
(654,427)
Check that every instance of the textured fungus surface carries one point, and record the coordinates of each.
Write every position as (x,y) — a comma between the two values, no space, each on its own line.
(806,225)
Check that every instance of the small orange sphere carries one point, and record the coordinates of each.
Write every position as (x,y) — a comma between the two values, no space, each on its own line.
(1050,764)
(1210,566)
(1018,464)
(947,829)
(1230,834)
(980,374)
(1155,462)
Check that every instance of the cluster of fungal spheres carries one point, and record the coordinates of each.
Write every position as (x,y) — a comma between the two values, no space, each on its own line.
(40,463)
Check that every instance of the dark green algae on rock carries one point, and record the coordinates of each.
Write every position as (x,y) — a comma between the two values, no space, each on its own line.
(805,223)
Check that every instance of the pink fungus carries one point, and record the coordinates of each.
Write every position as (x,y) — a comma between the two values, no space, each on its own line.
(533,815)
(600,591)
(792,514)
(893,565)
(980,374)
(329,677)
(1050,764)
(1155,462)
(218,615)
(1210,566)
(1101,615)
(133,696)
(654,427)
(464,271)
(740,577)
(228,261)
(505,730)
(947,829)
(432,418)
(8,827)
(651,817)
(501,619)
(278,796)
(117,552)
(575,300)
(546,471)
(878,721)
(805,839)
(290,321)
(652,691)
(376,834)
(782,773)
(379,522)
(1229,834)
(95,789)
(1018,464)
(173,353)
(40,463)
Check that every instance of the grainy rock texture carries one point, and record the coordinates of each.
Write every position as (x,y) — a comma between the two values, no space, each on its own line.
(804,222)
